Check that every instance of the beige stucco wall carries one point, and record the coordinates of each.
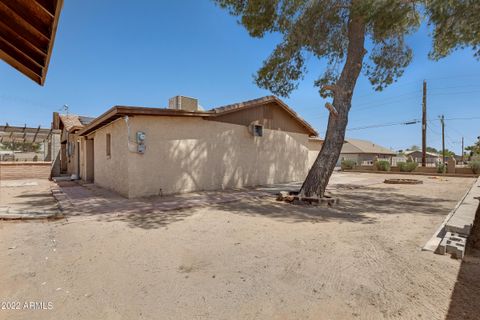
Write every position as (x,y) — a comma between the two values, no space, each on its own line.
(314,147)
(191,154)
(82,158)
(112,172)
(72,159)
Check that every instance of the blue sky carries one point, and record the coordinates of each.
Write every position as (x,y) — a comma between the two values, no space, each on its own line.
(143,52)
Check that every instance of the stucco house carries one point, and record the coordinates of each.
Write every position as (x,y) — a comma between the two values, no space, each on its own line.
(364,152)
(138,151)
(432,158)
(70,125)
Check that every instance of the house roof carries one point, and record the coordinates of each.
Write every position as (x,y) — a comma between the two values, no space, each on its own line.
(27,34)
(433,154)
(121,111)
(72,121)
(364,146)
(261,101)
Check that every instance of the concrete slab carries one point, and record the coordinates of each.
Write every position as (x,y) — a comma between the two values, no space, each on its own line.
(453,234)
(462,219)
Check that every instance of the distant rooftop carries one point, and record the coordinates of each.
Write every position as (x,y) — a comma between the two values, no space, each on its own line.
(364,146)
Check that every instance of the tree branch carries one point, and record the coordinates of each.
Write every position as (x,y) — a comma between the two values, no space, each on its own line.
(332,109)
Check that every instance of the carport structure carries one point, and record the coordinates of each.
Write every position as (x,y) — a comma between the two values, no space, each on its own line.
(11,135)
(24,134)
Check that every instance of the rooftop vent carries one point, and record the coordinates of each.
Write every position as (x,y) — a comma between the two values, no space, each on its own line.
(183,103)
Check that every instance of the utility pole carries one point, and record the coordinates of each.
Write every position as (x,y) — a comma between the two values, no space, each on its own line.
(442,121)
(424,125)
(463,152)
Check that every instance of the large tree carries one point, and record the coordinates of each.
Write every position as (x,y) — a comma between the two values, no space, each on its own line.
(339,31)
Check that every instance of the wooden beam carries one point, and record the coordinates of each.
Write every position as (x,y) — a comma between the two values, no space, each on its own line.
(20,55)
(48,6)
(20,67)
(31,13)
(35,136)
(22,44)
(9,128)
(58,9)
(23,28)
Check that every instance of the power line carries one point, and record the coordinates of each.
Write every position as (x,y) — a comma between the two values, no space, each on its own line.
(409,122)
(414,121)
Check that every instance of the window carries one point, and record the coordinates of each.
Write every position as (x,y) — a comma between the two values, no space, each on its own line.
(258,130)
(109,145)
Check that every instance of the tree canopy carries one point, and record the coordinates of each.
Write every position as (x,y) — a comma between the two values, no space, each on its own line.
(320,29)
(351,36)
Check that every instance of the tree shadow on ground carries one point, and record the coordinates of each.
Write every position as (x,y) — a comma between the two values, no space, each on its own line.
(149,213)
(150,220)
(361,206)
(35,195)
(465,299)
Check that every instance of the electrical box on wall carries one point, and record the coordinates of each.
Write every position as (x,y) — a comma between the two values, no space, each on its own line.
(141,147)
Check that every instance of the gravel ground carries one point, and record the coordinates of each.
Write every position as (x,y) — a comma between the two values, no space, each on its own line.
(251,259)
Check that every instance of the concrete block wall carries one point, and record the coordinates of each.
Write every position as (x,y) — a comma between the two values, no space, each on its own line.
(25,170)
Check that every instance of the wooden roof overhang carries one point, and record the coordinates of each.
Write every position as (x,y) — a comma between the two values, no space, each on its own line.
(122,111)
(23,134)
(27,34)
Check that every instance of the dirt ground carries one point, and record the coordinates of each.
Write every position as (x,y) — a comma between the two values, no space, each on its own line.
(250,259)
(26,195)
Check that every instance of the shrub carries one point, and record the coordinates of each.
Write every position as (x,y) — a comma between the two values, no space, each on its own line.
(407,166)
(475,165)
(383,165)
(348,164)
(441,168)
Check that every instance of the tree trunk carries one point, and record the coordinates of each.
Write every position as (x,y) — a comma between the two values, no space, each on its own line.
(318,176)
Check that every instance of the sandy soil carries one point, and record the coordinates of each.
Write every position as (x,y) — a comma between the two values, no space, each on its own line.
(26,195)
(253,259)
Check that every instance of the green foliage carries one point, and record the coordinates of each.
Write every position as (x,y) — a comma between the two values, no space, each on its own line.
(407,166)
(320,29)
(441,168)
(383,165)
(348,164)
(475,165)
(448,153)
(456,25)
(474,149)
(431,149)
(20,146)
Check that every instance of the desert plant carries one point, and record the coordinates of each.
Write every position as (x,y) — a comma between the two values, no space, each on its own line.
(383,165)
(348,164)
(441,168)
(475,165)
(407,166)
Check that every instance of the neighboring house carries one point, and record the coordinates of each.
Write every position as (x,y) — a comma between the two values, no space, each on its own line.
(139,151)
(69,124)
(364,152)
(431,157)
